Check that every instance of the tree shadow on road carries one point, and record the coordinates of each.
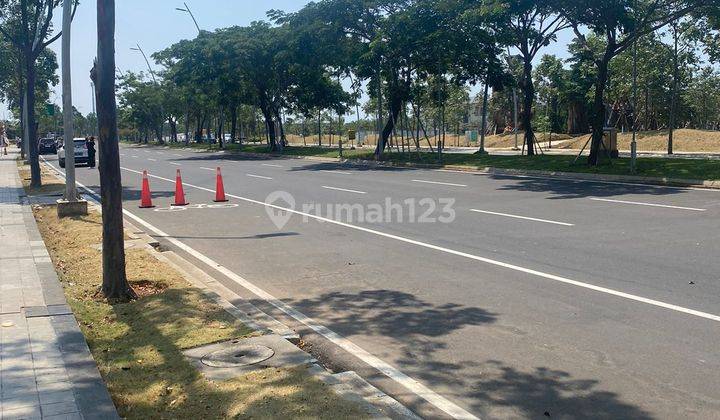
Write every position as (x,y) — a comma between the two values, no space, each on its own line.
(550,393)
(389,313)
(568,189)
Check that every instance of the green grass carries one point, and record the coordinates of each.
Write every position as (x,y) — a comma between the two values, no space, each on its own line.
(696,169)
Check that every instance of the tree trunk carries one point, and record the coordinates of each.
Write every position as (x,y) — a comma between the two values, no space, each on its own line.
(395,105)
(115,285)
(187,126)
(270,124)
(528,99)
(577,118)
(598,128)
(673,100)
(233,124)
(32,152)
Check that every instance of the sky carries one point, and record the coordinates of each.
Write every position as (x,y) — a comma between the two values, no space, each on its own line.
(155,25)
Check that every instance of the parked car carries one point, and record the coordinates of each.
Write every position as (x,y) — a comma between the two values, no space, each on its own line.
(47,145)
(81,153)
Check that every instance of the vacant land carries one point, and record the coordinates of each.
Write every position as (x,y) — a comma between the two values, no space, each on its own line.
(685,140)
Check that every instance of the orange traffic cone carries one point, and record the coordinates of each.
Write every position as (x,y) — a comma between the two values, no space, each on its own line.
(145,196)
(179,192)
(219,188)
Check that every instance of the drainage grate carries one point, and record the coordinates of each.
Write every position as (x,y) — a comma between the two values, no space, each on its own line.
(240,355)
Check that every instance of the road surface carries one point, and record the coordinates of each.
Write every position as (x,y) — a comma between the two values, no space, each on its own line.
(541,297)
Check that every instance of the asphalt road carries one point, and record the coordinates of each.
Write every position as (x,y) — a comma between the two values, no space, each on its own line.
(542,296)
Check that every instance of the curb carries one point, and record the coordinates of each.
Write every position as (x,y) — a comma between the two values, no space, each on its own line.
(89,388)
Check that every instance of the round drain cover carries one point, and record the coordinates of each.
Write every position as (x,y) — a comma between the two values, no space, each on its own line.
(242,355)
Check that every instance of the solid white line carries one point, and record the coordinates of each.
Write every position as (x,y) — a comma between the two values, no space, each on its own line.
(335,172)
(271,165)
(207,169)
(135,156)
(173,163)
(646,204)
(152,160)
(258,176)
(513,267)
(393,373)
(343,189)
(522,217)
(439,183)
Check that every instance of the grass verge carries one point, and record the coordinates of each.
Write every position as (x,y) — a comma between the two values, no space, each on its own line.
(50,184)
(138,345)
(696,169)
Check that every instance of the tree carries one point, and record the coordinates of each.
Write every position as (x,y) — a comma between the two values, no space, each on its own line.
(28,26)
(620,23)
(533,24)
(115,286)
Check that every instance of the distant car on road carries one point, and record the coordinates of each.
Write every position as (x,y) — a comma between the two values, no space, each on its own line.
(81,153)
(47,145)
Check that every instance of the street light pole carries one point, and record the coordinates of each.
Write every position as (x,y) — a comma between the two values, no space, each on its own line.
(187,10)
(152,73)
(68,128)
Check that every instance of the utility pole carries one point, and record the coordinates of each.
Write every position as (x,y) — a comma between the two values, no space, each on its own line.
(515,118)
(633,144)
(484,117)
(187,10)
(70,205)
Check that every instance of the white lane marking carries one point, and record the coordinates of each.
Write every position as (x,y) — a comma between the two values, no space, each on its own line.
(152,160)
(258,176)
(271,165)
(177,154)
(122,154)
(160,153)
(391,372)
(173,163)
(344,190)
(207,169)
(646,204)
(522,217)
(335,172)
(513,267)
(136,156)
(439,183)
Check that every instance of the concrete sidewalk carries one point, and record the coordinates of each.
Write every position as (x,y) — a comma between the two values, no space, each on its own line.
(46,370)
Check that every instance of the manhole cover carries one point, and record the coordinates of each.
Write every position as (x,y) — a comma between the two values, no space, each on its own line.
(242,355)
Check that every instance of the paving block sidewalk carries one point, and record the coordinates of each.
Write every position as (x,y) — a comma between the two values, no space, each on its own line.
(46,370)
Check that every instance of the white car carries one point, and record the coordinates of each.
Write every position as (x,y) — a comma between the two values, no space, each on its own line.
(81,153)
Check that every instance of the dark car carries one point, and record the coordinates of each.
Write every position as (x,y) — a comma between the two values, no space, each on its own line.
(47,145)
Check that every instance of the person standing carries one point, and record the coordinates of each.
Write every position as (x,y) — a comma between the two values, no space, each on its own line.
(91,151)
(3,139)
